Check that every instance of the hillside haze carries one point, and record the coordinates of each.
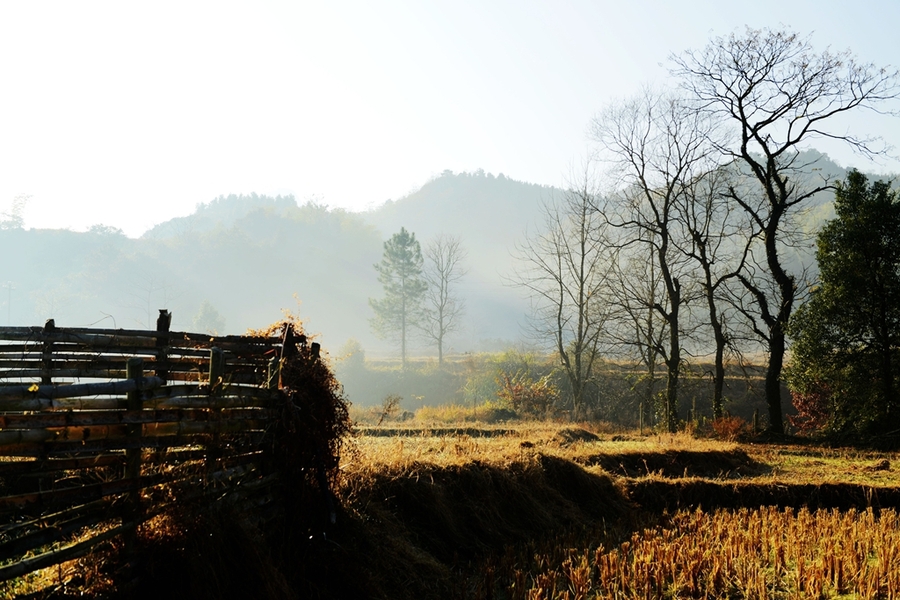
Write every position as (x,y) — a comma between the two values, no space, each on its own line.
(250,256)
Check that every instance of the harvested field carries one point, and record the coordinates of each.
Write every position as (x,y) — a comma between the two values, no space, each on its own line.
(547,510)
(528,514)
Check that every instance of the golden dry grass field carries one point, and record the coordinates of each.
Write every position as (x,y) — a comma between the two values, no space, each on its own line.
(547,510)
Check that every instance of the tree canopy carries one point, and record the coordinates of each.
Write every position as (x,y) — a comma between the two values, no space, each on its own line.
(845,356)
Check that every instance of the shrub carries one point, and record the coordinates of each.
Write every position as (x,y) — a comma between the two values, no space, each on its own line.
(730,428)
(487,412)
(527,396)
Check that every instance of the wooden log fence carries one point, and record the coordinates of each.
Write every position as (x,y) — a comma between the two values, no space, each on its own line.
(99,428)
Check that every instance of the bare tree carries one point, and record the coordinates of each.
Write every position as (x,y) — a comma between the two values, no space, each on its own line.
(714,239)
(148,293)
(777,94)
(635,326)
(566,269)
(443,269)
(655,144)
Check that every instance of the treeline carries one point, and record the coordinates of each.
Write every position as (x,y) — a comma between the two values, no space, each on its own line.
(690,241)
(236,266)
(524,384)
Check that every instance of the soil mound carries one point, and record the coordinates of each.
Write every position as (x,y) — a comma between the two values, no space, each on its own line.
(570,435)
(459,511)
(442,518)
(656,495)
(677,463)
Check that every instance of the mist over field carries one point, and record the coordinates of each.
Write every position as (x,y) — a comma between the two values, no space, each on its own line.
(237,261)
(247,257)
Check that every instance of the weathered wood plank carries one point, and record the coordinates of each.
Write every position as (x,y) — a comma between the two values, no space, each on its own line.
(249,439)
(15,437)
(174,457)
(98,491)
(140,338)
(90,418)
(39,468)
(52,532)
(235,397)
(66,513)
(55,557)
(55,391)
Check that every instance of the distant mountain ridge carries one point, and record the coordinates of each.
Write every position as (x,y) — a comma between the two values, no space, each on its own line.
(223,211)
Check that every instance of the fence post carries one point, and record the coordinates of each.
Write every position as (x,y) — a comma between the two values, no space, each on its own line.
(641,417)
(134,369)
(47,354)
(216,370)
(216,380)
(161,367)
(273,374)
(163,322)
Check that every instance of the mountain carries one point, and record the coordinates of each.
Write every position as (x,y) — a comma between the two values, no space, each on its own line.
(334,280)
(222,212)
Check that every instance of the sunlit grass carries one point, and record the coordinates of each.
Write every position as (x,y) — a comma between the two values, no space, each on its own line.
(763,553)
(498,443)
(826,465)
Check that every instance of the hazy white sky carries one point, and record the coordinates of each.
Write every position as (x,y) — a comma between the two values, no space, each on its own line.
(128,114)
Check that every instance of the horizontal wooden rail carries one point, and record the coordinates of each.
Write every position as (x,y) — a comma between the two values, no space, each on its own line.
(55,557)
(52,392)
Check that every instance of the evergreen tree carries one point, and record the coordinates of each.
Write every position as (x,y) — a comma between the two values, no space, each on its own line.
(845,356)
(400,274)
(208,319)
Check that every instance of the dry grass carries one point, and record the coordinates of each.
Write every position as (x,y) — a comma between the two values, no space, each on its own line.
(407,443)
(764,553)
(827,465)
(498,444)
(560,510)
(750,552)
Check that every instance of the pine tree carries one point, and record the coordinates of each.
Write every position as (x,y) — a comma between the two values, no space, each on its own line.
(400,273)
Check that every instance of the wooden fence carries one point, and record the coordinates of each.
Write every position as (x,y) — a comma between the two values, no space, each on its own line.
(100,430)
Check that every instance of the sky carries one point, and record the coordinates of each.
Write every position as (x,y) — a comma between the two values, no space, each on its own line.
(127,114)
